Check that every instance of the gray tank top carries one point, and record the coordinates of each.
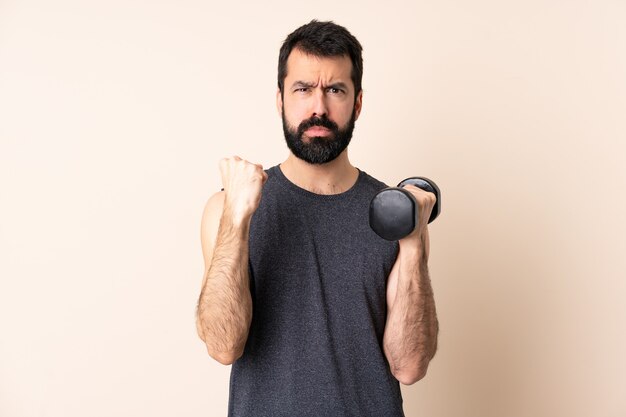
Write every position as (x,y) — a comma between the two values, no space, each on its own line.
(318,281)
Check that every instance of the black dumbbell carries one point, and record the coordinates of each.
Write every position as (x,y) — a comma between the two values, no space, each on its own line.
(394,212)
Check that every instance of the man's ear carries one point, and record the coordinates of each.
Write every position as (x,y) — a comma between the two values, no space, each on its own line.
(279,102)
(358,104)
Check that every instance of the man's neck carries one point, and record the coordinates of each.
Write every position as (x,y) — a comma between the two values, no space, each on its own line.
(334,177)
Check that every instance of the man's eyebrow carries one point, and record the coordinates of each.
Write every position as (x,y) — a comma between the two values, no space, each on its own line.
(302,84)
(338,85)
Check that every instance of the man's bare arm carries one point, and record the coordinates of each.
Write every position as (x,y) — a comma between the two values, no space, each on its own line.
(410,339)
(225,306)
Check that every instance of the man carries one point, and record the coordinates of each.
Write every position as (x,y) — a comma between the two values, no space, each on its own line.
(318,315)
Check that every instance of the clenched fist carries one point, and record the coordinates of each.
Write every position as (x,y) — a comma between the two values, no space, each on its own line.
(425,202)
(242,182)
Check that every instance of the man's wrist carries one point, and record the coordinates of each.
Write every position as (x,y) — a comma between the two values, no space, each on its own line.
(235,223)
(414,247)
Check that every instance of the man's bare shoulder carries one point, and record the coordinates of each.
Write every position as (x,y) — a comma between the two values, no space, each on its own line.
(214,205)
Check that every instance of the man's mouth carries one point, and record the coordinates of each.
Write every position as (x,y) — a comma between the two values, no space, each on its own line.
(314,131)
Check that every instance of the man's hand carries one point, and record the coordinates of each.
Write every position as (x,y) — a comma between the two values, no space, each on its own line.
(243,182)
(425,202)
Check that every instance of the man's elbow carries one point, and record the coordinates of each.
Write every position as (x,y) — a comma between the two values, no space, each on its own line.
(409,375)
(227,357)
(416,369)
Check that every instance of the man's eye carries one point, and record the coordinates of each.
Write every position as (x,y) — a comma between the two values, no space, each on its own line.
(302,89)
(334,90)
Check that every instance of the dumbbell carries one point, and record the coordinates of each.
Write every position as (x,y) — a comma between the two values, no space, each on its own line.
(394,212)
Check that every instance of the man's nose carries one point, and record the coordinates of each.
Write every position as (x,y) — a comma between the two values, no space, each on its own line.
(319,104)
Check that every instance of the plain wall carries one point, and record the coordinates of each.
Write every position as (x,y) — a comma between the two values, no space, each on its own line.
(114,115)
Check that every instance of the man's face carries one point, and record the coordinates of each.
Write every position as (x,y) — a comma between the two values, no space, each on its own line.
(318,108)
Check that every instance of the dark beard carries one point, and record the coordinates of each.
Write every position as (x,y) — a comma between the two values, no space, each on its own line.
(319,150)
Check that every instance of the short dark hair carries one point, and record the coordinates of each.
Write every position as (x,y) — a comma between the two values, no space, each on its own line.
(322,39)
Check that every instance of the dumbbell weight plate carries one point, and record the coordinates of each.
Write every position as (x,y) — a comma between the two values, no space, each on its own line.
(392,214)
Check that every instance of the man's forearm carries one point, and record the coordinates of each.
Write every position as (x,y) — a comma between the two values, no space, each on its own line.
(410,338)
(225,304)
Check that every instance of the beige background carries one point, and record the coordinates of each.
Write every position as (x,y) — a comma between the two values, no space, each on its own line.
(113,116)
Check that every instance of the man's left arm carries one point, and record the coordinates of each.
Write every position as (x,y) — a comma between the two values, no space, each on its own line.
(410,339)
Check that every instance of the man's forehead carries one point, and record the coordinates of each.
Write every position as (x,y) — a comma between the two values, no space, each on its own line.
(301,63)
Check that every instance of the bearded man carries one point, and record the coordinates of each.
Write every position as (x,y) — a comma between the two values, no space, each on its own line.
(317,314)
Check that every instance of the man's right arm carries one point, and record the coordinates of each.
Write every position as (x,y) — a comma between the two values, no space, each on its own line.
(225,305)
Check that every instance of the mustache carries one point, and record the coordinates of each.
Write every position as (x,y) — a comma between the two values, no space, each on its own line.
(317,121)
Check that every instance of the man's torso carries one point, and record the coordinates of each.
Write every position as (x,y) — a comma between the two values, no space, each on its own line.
(318,281)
